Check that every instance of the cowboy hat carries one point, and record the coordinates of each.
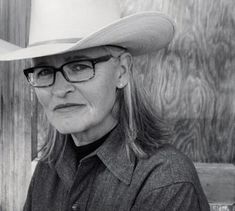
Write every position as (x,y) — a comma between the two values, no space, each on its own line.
(59,26)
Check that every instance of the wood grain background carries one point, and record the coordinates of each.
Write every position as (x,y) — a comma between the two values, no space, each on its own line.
(192,84)
(15,112)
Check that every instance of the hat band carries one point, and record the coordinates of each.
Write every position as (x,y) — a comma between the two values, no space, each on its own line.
(68,40)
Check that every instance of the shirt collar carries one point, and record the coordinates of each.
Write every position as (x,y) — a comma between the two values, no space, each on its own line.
(112,153)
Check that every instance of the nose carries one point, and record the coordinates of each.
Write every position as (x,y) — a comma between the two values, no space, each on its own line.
(62,87)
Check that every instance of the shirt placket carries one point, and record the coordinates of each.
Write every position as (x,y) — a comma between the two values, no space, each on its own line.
(82,185)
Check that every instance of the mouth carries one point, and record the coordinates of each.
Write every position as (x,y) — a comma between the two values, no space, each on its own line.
(67,107)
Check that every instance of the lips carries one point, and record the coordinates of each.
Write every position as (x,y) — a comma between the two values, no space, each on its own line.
(67,106)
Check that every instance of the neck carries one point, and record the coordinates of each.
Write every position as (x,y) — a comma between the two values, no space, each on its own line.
(93,134)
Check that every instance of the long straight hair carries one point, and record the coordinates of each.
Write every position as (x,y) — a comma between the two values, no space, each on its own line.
(142,129)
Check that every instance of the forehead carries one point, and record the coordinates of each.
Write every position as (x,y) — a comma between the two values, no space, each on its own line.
(85,53)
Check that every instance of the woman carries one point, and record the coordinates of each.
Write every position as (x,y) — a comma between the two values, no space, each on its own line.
(107,148)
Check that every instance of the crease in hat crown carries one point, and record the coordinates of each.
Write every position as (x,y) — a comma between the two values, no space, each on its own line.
(60,20)
(59,26)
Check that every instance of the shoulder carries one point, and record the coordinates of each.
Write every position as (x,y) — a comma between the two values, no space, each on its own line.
(167,166)
(43,166)
(169,174)
(43,170)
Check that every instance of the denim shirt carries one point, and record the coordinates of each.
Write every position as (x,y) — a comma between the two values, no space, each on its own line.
(106,180)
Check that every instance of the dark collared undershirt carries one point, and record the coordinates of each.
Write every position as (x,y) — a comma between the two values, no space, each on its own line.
(84,150)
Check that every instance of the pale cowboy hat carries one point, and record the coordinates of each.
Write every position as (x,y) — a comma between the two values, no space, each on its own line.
(59,26)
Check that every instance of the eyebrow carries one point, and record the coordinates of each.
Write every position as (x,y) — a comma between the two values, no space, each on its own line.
(41,63)
(66,59)
(69,58)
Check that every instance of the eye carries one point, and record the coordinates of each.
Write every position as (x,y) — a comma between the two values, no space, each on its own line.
(79,66)
(44,71)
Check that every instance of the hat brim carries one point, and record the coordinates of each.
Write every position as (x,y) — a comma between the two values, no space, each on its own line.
(139,33)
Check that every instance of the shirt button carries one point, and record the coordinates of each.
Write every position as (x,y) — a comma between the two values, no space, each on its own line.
(75,206)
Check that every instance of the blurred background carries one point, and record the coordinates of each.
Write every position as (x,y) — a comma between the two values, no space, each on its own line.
(192,83)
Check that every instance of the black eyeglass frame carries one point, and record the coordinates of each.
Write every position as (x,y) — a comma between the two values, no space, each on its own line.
(93,61)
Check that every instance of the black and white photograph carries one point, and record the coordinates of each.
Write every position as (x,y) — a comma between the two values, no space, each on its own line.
(117,105)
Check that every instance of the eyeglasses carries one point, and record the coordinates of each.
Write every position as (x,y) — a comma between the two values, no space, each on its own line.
(74,72)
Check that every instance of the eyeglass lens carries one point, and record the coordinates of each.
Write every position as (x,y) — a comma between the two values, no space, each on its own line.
(73,72)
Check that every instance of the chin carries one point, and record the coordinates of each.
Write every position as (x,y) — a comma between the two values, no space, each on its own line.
(70,128)
(71,122)
(67,130)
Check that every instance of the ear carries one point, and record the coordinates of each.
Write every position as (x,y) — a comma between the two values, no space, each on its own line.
(124,70)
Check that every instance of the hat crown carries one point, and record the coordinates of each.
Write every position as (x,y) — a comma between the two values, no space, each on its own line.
(65,19)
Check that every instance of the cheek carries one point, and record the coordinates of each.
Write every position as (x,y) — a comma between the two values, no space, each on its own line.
(102,99)
(44,97)
(102,95)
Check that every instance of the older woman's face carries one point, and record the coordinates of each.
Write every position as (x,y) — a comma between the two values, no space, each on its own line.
(77,107)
